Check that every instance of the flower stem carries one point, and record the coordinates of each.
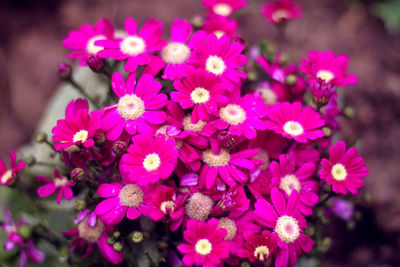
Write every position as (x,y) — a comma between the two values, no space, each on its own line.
(82,91)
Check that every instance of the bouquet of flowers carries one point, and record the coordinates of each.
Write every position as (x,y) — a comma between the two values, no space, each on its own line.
(206,150)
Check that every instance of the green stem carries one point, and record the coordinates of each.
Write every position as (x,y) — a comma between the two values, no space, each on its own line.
(82,91)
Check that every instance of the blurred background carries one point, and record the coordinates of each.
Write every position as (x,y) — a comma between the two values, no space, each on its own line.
(367,31)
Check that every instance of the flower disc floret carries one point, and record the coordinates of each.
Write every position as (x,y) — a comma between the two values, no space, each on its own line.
(339,172)
(81,136)
(233,114)
(151,162)
(261,253)
(133,45)
(175,53)
(131,195)
(216,160)
(325,75)
(91,47)
(215,65)
(203,246)
(131,107)
(200,95)
(289,183)
(287,228)
(222,9)
(194,127)
(293,128)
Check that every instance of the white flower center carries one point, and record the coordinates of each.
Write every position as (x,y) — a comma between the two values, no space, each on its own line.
(339,172)
(6,176)
(216,160)
(170,204)
(222,9)
(120,34)
(261,253)
(81,136)
(279,15)
(287,228)
(133,45)
(219,34)
(290,182)
(194,127)
(232,114)
(175,53)
(152,162)
(131,107)
(215,64)
(262,155)
(91,47)
(203,246)
(200,95)
(60,182)
(268,95)
(325,75)
(293,128)
(131,195)
(230,227)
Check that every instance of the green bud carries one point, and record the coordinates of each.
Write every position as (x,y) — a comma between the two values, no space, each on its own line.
(118,246)
(291,80)
(245,264)
(327,131)
(162,245)
(25,231)
(349,112)
(310,231)
(78,174)
(137,237)
(41,137)
(80,204)
(30,160)
(116,234)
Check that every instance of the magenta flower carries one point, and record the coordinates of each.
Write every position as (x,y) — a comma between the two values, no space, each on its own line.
(78,127)
(272,92)
(284,218)
(138,108)
(233,203)
(201,91)
(219,56)
(7,176)
(220,26)
(60,184)
(83,40)
(121,200)
(205,243)
(224,7)
(108,251)
(291,122)
(327,67)
(287,177)
(259,247)
(149,159)
(281,11)
(134,47)
(344,169)
(341,208)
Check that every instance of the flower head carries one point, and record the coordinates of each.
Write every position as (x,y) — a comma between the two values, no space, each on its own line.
(281,11)
(7,176)
(224,7)
(259,247)
(220,26)
(59,184)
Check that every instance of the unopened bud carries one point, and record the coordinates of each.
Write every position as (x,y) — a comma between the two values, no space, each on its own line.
(291,80)
(25,231)
(78,174)
(162,245)
(99,138)
(327,131)
(197,21)
(120,147)
(111,240)
(226,139)
(283,59)
(41,137)
(30,160)
(349,112)
(64,70)
(245,264)
(96,63)
(116,234)
(80,204)
(118,246)
(137,237)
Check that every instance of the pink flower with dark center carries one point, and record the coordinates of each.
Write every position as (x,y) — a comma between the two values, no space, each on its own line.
(138,109)
(259,247)
(78,127)
(219,56)
(7,176)
(224,7)
(220,26)
(201,91)
(291,122)
(83,40)
(281,11)
(327,67)
(205,243)
(121,200)
(344,169)
(59,184)
(287,177)
(149,159)
(284,218)
(134,47)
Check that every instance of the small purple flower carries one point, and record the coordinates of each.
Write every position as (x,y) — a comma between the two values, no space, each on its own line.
(342,208)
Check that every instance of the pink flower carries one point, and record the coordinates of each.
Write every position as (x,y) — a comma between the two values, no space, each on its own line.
(281,11)
(291,122)
(60,184)
(327,67)
(344,169)
(220,26)
(108,251)
(121,200)
(78,127)
(284,218)
(138,108)
(205,243)
(219,56)
(149,159)
(201,91)
(259,247)
(134,47)
(7,176)
(224,7)
(271,92)
(287,177)
(233,203)
(83,40)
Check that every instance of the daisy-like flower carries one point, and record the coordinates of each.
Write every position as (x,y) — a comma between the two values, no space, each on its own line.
(284,218)
(78,127)
(291,122)
(344,169)
(224,7)
(327,67)
(271,92)
(138,108)
(83,40)
(281,11)
(233,202)
(121,200)
(219,56)
(201,91)
(134,47)
(59,184)
(287,177)
(242,117)
(259,247)
(220,26)
(205,244)
(177,53)
(7,176)
(149,159)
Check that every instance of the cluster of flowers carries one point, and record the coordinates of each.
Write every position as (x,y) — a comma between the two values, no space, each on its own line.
(229,164)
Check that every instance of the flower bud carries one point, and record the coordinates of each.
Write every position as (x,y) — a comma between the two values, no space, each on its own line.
(64,70)
(96,63)
(137,237)
(78,174)
(99,138)
(321,91)
(116,234)
(118,246)
(25,231)
(30,160)
(111,240)
(80,204)
(245,264)
(291,80)
(120,147)
(162,245)
(41,137)
(327,131)
(226,140)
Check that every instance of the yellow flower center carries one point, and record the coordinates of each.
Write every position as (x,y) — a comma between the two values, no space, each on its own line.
(280,14)
(166,204)
(222,9)
(219,34)
(230,227)
(133,45)
(175,53)
(152,162)
(290,182)
(216,160)
(6,176)
(131,107)
(287,228)
(325,75)
(293,128)
(232,114)
(131,195)
(81,136)
(194,127)
(200,95)
(339,172)
(261,253)
(91,47)
(203,247)
(215,64)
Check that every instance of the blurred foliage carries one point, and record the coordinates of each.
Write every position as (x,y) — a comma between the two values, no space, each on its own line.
(389,12)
